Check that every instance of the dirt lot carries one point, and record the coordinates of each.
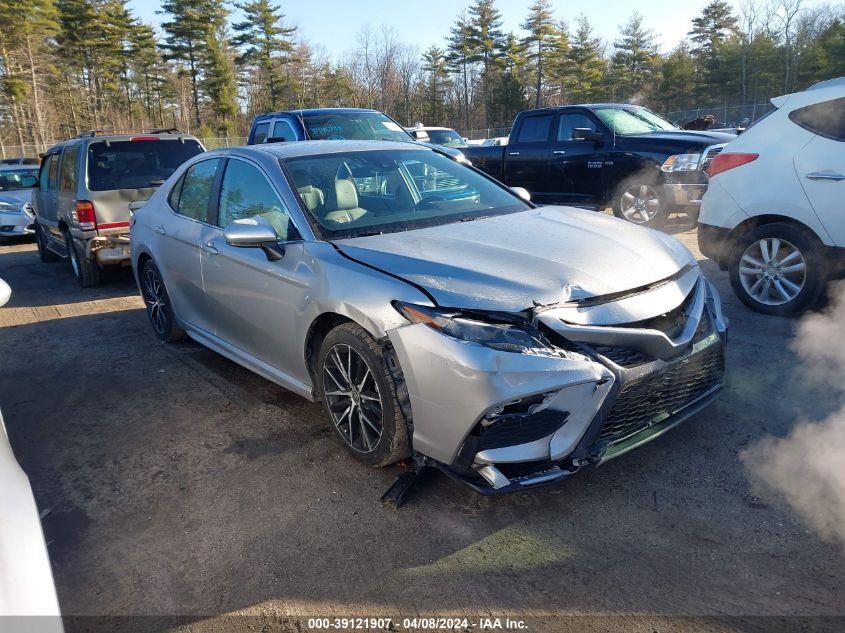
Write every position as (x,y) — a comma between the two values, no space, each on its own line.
(179,484)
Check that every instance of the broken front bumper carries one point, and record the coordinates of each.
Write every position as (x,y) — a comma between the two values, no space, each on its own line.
(503,421)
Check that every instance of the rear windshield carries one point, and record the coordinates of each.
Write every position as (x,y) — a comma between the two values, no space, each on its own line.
(136,164)
(359,126)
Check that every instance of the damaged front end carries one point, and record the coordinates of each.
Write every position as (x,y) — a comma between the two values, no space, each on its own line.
(549,391)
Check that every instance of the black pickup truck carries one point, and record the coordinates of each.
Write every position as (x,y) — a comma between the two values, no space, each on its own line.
(616,155)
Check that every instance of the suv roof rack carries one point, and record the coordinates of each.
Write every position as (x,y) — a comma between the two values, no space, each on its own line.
(89,134)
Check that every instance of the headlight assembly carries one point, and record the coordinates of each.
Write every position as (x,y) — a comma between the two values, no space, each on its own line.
(681,162)
(7,206)
(505,337)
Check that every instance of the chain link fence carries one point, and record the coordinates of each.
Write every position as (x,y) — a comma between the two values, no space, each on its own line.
(490,132)
(728,116)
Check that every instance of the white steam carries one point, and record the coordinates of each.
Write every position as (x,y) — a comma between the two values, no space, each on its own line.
(808,466)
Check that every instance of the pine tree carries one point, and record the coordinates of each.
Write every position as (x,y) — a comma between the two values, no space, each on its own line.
(186,33)
(709,33)
(27,27)
(586,63)
(542,31)
(265,43)
(460,54)
(487,41)
(436,83)
(636,61)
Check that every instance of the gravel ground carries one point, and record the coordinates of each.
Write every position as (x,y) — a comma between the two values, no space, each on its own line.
(178,484)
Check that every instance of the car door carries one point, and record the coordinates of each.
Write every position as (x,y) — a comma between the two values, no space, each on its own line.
(254,302)
(576,165)
(527,160)
(68,180)
(180,228)
(46,196)
(820,164)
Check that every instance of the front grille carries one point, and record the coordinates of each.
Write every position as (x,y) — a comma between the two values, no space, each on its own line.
(656,396)
(622,356)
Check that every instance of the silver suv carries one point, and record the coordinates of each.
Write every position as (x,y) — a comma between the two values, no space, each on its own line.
(86,190)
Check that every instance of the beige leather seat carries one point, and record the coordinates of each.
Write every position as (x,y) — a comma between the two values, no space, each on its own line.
(347,203)
(313,198)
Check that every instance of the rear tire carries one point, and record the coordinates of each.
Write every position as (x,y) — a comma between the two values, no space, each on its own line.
(359,396)
(45,254)
(158,305)
(86,271)
(640,201)
(777,269)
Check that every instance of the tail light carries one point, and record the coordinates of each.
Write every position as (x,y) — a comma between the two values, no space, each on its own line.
(729,160)
(85,215)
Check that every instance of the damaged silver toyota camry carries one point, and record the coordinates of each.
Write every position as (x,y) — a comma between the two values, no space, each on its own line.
(434,312)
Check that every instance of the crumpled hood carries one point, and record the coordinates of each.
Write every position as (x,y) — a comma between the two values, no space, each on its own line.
(510,262)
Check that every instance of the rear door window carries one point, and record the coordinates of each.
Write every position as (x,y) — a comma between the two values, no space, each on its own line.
(136,164)
(535,129)
(196,190)
(825,119)
(261,132)
(67,180)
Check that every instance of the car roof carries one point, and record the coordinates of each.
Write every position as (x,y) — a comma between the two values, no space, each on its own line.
(314,148)
(435,129)
(124,137)
(313,111)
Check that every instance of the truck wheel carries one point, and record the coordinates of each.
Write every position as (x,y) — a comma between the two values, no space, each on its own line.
(777,269)
(359,396)
(640,202)
(86,271)
(47,256)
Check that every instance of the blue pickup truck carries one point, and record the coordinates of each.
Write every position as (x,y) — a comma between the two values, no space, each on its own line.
(334,124)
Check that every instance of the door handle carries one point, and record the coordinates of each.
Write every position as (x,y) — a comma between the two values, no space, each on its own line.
(159,228)
(559,152)
(210,248)
(825,175)
(513,153)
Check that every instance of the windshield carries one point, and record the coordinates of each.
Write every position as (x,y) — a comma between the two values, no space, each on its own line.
(10,179)
(136,164)
(352,194)
(447,138)
(633,121)
(358,126)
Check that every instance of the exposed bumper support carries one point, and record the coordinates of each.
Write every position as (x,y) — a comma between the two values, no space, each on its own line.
(108,249)
(684,195)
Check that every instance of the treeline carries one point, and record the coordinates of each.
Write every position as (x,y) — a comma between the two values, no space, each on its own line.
(72,65)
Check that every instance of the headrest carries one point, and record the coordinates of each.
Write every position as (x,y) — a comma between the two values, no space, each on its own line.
(347,196)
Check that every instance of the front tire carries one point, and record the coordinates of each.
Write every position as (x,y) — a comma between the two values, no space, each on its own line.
(640,201)
(158,305)
(777,269)
(359,396)
(86,271)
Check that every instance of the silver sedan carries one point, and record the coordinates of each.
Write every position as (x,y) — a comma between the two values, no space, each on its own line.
(16,186)
(435,313)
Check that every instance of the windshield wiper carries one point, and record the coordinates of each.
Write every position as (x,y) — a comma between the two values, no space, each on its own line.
(369,233)
(470,218)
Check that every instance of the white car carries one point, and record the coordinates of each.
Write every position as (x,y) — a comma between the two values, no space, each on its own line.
(26,581)
(773,213)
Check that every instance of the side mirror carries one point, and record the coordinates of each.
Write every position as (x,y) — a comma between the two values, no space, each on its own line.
(275,139)
(586,134)
(522,192)
(28,182)
(5,292)
(254,233)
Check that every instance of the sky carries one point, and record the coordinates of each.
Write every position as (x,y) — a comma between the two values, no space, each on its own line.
(334,24)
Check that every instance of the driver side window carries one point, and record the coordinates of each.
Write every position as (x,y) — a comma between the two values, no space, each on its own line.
(568,122)
(245,193)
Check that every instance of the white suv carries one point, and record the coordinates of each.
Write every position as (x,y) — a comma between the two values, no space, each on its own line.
(774,213)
